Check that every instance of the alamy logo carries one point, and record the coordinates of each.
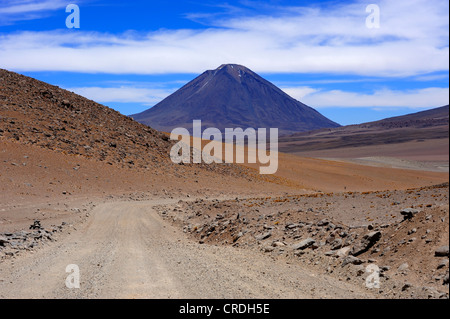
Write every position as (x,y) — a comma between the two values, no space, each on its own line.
(373,19)
(73,279)
(373,279)
(73,19)
(255,149)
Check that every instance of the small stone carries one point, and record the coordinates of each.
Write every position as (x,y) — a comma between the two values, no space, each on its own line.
(237,236)
(323,222)
(264,236)
(278,244)
(343,252)
(359,270)
(442,263)
(406,286)
(351,260)
(268,249)
(403,268)
(408,213)
(367,242)
(336,244)
(441,251)
(303,244)
(3,240)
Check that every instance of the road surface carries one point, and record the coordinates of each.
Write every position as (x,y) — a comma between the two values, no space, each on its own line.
(126,250)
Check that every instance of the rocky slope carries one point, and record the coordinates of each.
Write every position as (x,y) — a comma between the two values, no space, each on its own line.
(401,234)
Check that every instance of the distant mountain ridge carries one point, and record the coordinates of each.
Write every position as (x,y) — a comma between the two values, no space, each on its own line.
(233,96)
(420,126)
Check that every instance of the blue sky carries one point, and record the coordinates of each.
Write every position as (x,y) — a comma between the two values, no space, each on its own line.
(131,55)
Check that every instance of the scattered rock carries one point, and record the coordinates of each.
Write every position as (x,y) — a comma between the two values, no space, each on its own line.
(442,263)
(406,286)
(237,236)
(278,244)
(3,241)
(36,225)
(442,251)
(445,281)
(264,236)
(303,244)
(403,268)
(343,252)
(408,213)
(268,249)
(351,260)
(336,244)
(323,222)
(366,243)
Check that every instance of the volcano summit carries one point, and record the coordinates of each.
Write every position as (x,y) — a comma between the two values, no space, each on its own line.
(233,96)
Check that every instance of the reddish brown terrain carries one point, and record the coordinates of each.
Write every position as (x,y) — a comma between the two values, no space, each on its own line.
(99,190)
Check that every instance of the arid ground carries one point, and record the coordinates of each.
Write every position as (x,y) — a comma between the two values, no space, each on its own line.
(81,184)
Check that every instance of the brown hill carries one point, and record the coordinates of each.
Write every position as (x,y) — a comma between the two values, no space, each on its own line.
(37,113)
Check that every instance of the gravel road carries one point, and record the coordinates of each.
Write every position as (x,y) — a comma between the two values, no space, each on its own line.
(125,250)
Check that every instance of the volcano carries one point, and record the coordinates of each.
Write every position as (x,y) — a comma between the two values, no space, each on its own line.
(233,96)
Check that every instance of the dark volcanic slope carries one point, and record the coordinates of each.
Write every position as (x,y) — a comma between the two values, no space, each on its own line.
(420,126)
(233,96)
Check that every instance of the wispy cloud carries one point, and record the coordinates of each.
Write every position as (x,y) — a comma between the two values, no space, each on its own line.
(385,98)
(12,11)
(412,41)
(122,94)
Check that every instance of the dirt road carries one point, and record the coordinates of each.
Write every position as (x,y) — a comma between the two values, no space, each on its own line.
(125,250)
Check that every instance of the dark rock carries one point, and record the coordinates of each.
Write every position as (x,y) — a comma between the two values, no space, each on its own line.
(323,222)
(406,286)
(336,244)
(3,241)
(237,236)
(304,244)
(441,251)
(351,260)
(442,263)
(36,225)
(264,236)
(366,243)
(408,213)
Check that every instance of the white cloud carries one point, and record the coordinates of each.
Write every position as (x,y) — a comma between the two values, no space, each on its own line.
(17,10)
(122,94)
(420,98)
(412,40)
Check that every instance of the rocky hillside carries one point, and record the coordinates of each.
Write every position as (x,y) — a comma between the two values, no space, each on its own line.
(34,112)
(403,234)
